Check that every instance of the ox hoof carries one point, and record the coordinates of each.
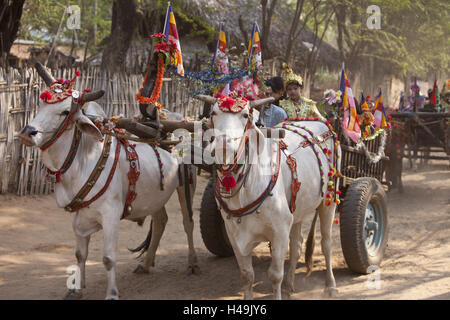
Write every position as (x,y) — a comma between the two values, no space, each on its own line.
(193,270)
(331,292)
(113,295)
(73,295)
(287,288)
(141,270)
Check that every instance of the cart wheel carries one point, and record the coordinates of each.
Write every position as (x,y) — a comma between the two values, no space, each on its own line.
(364,225)
(212,227)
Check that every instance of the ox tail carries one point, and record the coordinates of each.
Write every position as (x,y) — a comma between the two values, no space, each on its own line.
(310,244)
(143,247)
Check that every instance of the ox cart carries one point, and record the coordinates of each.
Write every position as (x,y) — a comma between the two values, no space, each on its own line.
(417,135)
(426,133)
(363,214)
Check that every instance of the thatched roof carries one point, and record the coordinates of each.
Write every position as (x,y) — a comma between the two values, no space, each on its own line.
(238,17)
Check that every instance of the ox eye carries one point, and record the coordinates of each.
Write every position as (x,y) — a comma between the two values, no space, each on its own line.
(64,113)
(245,115)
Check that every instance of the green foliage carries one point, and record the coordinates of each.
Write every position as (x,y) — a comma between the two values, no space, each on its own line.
(413,37)
(41,19)
(190,25)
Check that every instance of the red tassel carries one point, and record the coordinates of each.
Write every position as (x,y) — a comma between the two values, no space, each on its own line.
(45,96)
(77,73)
(228,183)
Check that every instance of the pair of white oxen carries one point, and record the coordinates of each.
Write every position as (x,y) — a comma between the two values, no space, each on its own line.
(274,221)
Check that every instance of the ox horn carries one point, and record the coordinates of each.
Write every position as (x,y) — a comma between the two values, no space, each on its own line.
(91,96)
(45,75)
(206,98)
(260,102)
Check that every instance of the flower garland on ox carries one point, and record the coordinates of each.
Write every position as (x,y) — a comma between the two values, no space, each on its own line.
(291,124)
(167,53)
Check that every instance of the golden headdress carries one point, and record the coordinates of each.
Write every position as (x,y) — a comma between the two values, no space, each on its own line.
(290,76)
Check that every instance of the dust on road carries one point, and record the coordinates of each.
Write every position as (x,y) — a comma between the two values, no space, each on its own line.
(37,247)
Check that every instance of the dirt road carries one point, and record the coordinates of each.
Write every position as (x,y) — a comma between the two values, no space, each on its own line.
(37,246)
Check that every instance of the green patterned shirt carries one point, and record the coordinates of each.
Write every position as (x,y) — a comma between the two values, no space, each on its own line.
(306,108)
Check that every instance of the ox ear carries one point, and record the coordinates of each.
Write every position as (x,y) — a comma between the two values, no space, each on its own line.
(87,126)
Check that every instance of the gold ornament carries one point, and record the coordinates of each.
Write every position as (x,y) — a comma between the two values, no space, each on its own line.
(291,77)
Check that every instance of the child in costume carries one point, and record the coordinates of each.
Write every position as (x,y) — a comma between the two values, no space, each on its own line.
(297,106)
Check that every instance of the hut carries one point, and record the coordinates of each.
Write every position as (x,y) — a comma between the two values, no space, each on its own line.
(26,52)
(19,54)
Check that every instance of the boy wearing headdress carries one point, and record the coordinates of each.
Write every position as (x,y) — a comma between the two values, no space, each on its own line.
(297,106)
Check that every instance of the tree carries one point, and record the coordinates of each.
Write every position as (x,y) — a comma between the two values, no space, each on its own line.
(41,19)
(412,40)
(267,13)
(10,14)
(125,19)
(321,16)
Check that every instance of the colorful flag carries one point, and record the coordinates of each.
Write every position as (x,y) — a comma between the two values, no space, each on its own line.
(170,30)
(344,102)
(221,59)
(350,120)
(254,48)
(221,47)
(379,113)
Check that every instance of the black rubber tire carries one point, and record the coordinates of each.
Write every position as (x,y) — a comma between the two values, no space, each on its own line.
(359,194)
(212,227)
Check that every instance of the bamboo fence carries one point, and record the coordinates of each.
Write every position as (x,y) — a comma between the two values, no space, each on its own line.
(21,170)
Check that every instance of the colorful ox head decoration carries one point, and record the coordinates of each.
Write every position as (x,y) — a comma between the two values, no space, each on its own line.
(232,117)
(58,112)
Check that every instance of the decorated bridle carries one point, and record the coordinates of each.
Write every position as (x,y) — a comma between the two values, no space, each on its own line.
(237,105)
(58,91)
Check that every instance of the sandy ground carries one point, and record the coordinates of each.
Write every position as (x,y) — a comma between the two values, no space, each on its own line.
(37,246)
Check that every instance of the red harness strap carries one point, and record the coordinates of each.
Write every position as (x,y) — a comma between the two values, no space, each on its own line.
(78,203)
(133,176)
(295,184)
(255,204)
(55,176)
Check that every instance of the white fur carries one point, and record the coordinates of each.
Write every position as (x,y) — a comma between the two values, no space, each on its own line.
(105,212)
(275,222)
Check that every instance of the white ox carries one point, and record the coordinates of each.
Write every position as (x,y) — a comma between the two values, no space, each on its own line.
(273,221)
(105,213)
